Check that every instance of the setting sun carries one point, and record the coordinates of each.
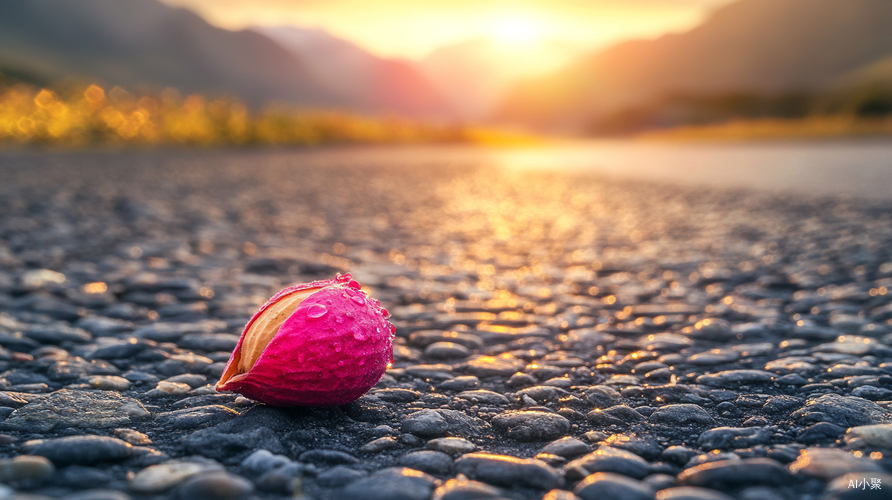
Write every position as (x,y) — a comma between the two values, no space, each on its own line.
(516,32)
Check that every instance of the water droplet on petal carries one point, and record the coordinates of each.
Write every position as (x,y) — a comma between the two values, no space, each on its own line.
(340,363)
(316,311)
(385,313)
(358,299)
(392,330)
(358,335)
(354,284)
(337,347)
(339,319)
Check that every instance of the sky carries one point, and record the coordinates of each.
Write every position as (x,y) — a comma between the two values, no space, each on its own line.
(414,28)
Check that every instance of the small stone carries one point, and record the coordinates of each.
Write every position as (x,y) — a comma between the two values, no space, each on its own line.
(870,436)
(159,478)
(397,395)
(567,447)
(527,426)
(65,408)
(172,388)
(482,397)
(607,459)
(108,383)
(727,438)
(732,378)
(432,462)
(643,446)
(729,473)
(397,483)
(215,485)
(193,380)
(462,488)
(97,494)
(820,432)
(606,485)
(339,475)
(378,445)
(24,467)
(620,415)
(262,461)
(501,470)
(828,463)
(80,450)
(329,457)
(680,414)
(446,350)
(452,446)
(191,418)
(436,423)
(845,411)
(691,493)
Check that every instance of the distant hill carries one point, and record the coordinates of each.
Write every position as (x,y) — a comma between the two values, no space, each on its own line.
(747,46)
(362,81)
(477,74)
(146,43)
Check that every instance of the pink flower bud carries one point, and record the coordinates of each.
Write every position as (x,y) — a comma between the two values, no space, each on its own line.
(323,343)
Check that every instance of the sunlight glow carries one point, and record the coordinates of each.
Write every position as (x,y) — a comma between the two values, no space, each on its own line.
(517,32)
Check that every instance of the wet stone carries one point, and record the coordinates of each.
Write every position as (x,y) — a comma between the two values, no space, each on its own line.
(339,475)
(728,438)
(681,414)
(465,489)
(80,450)
(828,463)
(729,473)
(446,350)
(607,459)
(821,431)
(215,485)
(392,484)
(378,445)
(432,462)
(734,378)
(436,423)
(619,416)
(567,447)
(452,446)
(483,397)
(162,477)
(507,471)
(191,418)
(691,493)
(528,426)
(262,461)
(64,408)
(608,485)
(845,411)
(24,467)
(643,446)
(870,436)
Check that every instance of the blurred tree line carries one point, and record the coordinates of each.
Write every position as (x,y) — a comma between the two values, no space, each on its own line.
(866,102)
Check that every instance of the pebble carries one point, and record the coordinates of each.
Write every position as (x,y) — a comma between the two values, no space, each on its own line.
(845,411)
(680,414)
(691,493)
(397,483)
(462,488)
(191,418)
(614,486)
(869,436)
(24,467)
(159,478)
(432,462)
(507,471)
(567,447)
(728,438)
(215,485)
(437,423)
(607,459)
(828,463)
(733,378)
(529,426)
(97,494)
(338,476)
(81,409)
(378,445)
(451,445)
(80,450)
(446,350)
(107,383)
(730,473)
(483,397)
(262,461)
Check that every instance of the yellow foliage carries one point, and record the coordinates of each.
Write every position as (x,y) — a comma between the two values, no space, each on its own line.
(91,115)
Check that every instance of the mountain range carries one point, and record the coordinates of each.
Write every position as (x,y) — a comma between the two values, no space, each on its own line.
(767,46)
